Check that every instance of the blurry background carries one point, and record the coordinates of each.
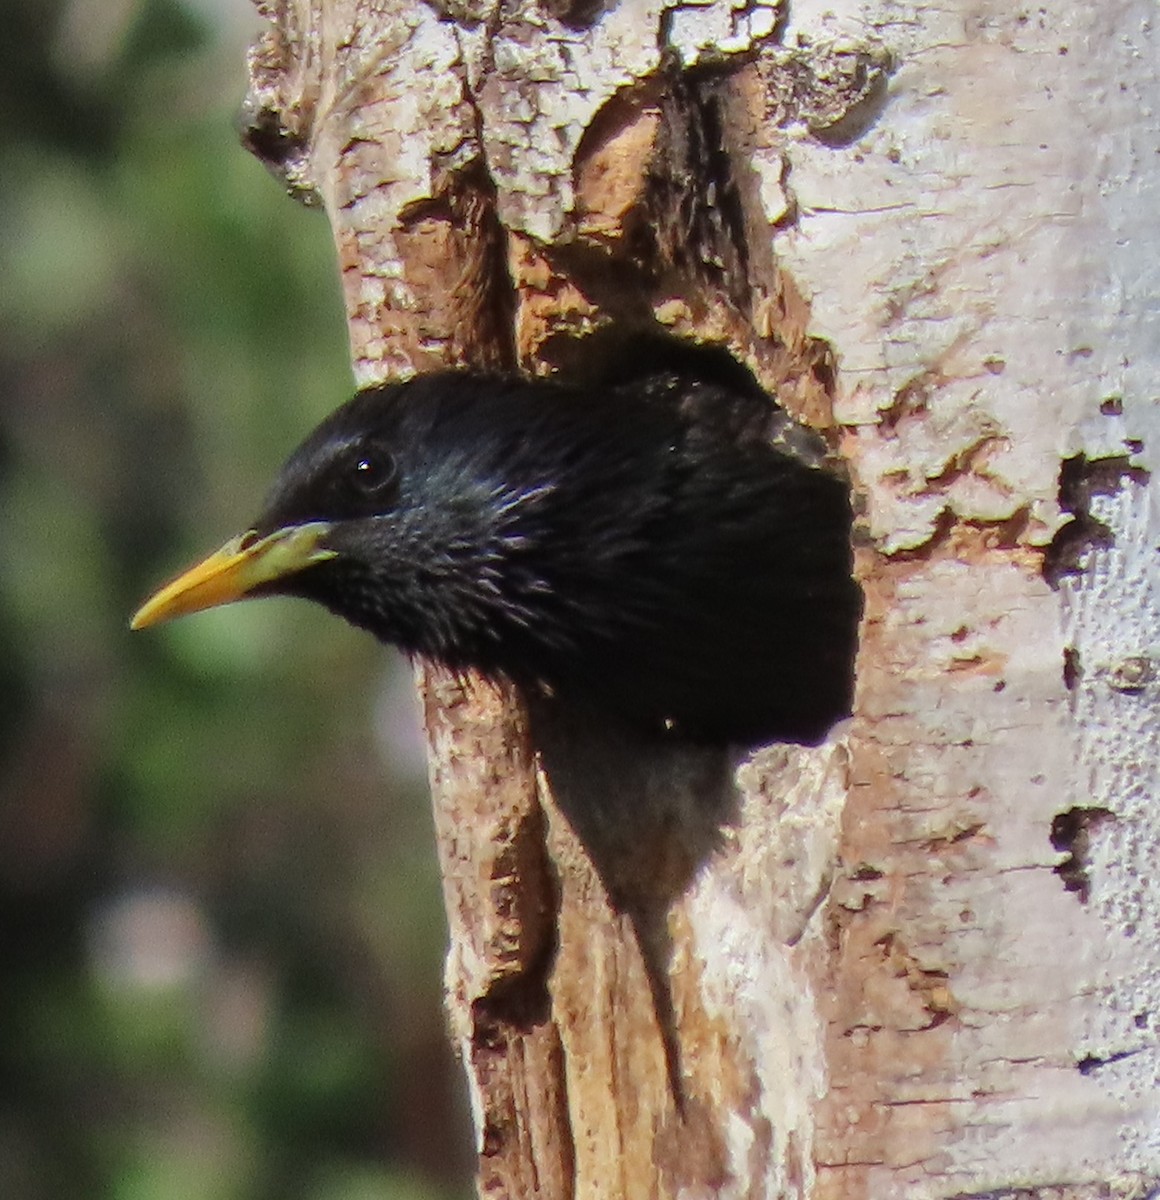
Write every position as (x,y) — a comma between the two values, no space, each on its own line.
(220,925)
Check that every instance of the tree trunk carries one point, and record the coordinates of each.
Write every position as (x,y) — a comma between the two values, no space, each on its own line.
(922,959)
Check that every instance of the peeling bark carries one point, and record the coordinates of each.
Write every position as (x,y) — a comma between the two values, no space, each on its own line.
(922,959)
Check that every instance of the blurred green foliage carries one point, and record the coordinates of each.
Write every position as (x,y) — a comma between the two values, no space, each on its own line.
(220,930)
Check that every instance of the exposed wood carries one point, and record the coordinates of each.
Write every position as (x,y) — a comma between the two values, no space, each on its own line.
(922,959)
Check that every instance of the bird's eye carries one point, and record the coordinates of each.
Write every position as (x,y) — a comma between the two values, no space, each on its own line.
(374,471)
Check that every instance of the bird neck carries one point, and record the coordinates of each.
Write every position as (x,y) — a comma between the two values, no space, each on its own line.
(451,576)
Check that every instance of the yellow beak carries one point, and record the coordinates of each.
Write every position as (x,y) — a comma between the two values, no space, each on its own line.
(232,572)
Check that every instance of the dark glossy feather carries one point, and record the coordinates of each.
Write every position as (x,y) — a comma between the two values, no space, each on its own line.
(642,548)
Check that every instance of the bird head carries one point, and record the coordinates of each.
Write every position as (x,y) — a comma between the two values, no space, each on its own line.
(391,513)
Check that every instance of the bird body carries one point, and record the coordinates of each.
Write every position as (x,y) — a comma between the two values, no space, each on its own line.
(644,547)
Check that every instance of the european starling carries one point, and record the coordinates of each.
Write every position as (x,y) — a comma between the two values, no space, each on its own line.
(666,550)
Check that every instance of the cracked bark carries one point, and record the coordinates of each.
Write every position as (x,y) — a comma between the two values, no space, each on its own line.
(923,959)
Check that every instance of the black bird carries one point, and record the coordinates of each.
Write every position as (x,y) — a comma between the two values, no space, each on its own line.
(667,549)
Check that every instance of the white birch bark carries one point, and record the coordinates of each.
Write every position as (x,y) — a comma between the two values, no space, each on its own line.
(987,264)
(922,960)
